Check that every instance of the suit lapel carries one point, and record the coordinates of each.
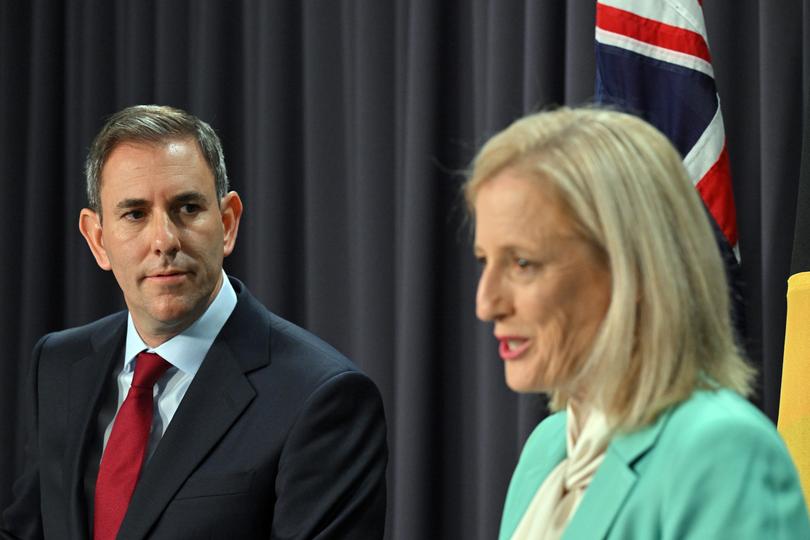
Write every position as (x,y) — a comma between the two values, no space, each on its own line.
(603,499)
(537,461)
(86,387)
(216,398)
(613,483)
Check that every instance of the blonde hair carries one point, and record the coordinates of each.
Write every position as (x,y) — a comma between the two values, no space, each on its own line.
(667,330)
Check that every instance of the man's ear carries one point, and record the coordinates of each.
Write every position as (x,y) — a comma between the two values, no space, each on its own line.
(90,227)
(231,209)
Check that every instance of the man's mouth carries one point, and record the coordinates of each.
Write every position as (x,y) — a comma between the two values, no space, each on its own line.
(167,276)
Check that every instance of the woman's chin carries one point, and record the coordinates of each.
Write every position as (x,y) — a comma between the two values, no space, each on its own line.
(523,385)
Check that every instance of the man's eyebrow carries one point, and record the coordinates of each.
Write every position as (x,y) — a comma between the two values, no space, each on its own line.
(189,196)
(126,204)
(185,197)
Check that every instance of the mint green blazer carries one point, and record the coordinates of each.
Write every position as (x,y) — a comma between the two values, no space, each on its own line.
(712,467)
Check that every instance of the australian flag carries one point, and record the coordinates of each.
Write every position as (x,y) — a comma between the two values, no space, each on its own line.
(652,60)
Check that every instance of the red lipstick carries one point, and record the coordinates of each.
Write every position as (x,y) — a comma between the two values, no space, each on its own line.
(511,348)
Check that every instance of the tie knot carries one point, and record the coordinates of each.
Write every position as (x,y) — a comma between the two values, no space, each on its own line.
(148,369)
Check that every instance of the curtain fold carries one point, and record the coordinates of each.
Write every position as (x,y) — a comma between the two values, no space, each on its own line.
(780,150)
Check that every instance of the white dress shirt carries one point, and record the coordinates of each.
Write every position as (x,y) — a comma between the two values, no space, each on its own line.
(185,352)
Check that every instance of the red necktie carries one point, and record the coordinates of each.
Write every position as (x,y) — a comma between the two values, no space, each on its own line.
(123,457)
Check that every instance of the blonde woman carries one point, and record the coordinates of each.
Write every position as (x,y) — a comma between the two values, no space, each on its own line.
(607,292)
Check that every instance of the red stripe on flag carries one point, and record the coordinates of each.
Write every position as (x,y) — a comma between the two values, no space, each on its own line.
(715,189)
(651,31)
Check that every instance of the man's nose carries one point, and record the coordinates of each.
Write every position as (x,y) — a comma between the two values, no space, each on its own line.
(165,234)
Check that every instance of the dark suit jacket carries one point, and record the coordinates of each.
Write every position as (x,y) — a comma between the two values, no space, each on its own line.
(278,436)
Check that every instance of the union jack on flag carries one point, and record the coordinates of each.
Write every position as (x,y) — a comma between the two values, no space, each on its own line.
(652,59)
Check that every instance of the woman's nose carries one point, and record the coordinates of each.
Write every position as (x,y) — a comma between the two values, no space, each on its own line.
(491,300)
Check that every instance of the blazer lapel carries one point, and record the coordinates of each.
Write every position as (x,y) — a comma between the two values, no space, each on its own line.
(214,401)
(535,465)
(613,482)
(86,387)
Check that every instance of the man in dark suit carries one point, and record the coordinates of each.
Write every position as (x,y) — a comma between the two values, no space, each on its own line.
(196,413)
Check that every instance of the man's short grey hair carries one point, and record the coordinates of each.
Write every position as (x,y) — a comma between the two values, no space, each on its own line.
(152,124)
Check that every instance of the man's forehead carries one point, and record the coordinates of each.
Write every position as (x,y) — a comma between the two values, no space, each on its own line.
(133,159)
(173,146)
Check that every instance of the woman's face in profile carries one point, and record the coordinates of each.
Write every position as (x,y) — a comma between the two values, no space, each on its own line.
(545,287)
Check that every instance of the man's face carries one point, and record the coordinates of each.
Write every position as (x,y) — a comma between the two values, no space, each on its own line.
(163,233)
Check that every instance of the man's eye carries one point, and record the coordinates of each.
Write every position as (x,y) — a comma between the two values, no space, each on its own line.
(134,215)
(190,208)
(520,262)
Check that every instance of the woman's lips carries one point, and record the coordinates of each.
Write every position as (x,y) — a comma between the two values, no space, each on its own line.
(511,348)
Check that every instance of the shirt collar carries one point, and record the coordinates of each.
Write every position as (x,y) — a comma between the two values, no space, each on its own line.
(187,350)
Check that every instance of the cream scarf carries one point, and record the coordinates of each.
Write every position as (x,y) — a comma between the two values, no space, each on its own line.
(559,495)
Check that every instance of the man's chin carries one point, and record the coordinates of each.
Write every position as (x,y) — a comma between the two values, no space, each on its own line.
(166,315)
(172,319)
(175,318)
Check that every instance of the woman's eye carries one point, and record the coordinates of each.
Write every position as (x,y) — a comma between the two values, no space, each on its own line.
(522,263)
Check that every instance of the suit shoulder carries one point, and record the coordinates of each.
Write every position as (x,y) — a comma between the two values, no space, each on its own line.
(289,340)
(718,434)
(722,417)
(551,428)
(254,331)
(293,362)
(721,466)
(79,339)
(546,443)
(281,355)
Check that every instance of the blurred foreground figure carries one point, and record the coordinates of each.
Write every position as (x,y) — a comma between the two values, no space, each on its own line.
(603,280)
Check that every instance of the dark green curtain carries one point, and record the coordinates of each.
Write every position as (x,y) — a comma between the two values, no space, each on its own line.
(347,126)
